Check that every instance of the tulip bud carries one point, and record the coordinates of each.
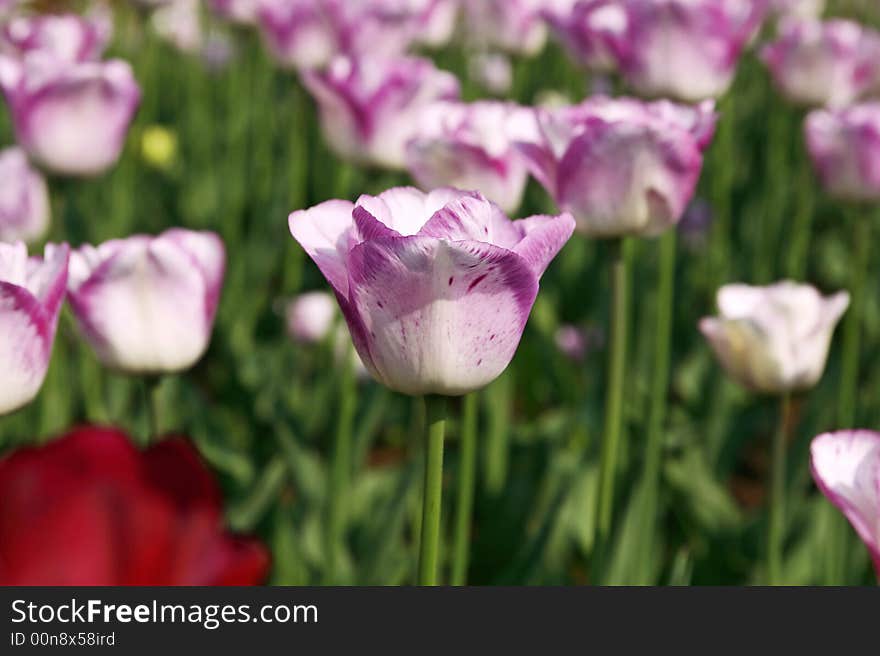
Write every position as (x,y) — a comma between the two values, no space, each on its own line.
(832,63)
(774,339)
(310,317)
(370,107)
(146,305)
(159,146)
(436,288)
(621,167)
(846,467)
(180,24)
(31,295)
(845,148)
(471,146)
(24,199)
(70,117)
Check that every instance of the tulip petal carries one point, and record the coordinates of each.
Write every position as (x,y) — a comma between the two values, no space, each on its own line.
(441,317)
(846,467)
(324,231)
(543,237)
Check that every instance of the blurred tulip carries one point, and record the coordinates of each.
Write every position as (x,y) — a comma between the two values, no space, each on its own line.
(90,509)
(69,37)
(696,224)
(471,146)
(798,8)
(845,148)
(515,26)
(147,304)
(436,288)
(587,30)
(846,467)
(774,339)
(621,166)
(180,24)
(243,12)
(492,72)
(576,342)
(31,295)
(300,34)
(310,317)
(685,49)
(24,199)
(370,107)
(70,117)
(829,63)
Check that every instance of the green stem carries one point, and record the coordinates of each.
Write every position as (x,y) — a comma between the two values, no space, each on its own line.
(433,491)
(340,468)
(849,377)
(153,407)
(659,392)
(776,520)
(466,483)
(803,222)
(613,403)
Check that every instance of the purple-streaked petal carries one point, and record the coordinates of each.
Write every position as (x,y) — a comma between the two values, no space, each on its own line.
(325,232)
(846,467)
(437,317)
(543,238)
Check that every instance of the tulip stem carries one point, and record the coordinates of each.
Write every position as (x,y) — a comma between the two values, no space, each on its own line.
(776,518)
(153,406)
(433,491)
(467,471)
(849,378)
(341,467)
(659,392)
(613,404)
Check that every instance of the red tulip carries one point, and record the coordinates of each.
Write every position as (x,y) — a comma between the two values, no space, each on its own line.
(90,509)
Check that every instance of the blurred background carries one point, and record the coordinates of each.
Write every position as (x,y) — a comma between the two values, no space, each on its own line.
(227,140)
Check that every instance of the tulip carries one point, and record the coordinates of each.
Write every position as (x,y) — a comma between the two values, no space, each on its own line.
(300,34)
(587,30)
(31,295)
(70,117)
(310,317)
(436,287)
(846,467)
(831,63)
(69,37)
(685,49)
(180,24)
(471,146)
(492,72)
(845,148)
(774,339)
(243,12)
(146,305)
(515,26)
(798,8)
(24,199)
(621,167)
(90,509)
(370,107)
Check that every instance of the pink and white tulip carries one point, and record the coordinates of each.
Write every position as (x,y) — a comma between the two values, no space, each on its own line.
(310,317)
(370,107)
(683,49)
(845,148)
(300,34)
(798,8)
(588,29)
(515,26)
(846,467)
(774,339)
(31,294)
(471,146)
(621,166)
(24,199)
(832,63)
(71,118)
(180,24)
(69,37)
(436,287)
(145,304)
(243,12)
